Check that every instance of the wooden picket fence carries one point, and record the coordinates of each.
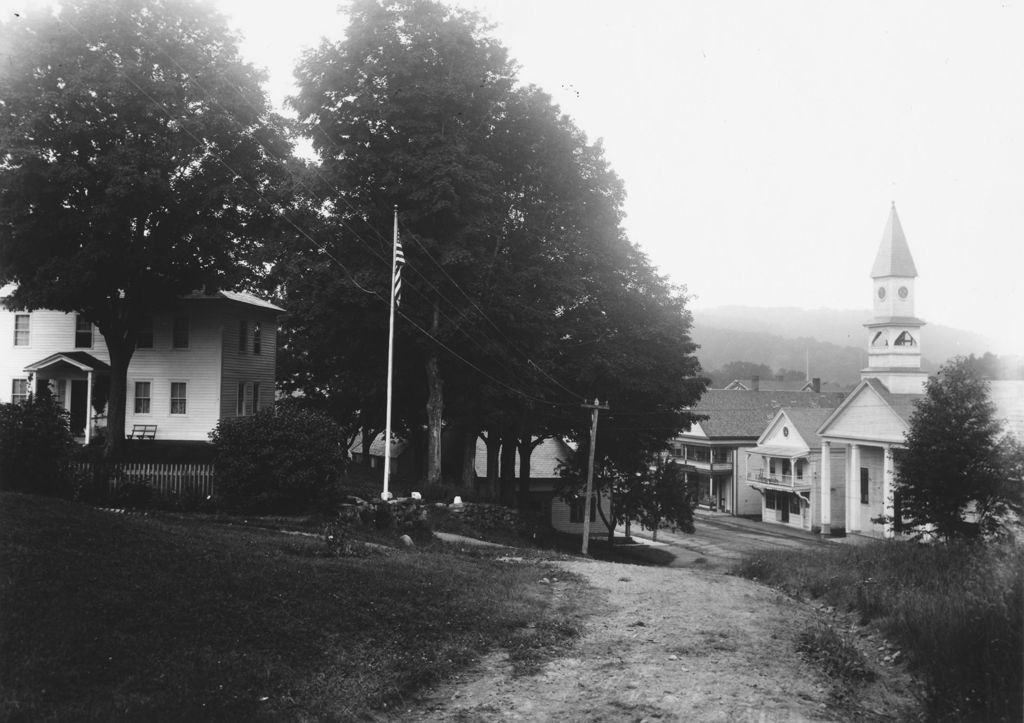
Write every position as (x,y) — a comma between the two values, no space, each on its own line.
(164,478)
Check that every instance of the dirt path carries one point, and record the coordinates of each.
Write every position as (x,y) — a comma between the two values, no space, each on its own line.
(671,644)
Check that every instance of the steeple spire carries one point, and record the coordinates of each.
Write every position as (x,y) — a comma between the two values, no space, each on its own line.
(893,257)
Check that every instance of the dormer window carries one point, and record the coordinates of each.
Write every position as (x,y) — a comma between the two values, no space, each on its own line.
(905,339)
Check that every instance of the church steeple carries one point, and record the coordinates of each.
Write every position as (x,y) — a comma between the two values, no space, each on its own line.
(894,334)
(893,257)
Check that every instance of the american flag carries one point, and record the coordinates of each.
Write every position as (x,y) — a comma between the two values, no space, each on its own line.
(399,263)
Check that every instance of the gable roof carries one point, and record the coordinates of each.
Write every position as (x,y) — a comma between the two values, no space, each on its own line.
(807,423)
(893,257)
(900,406)
(80,359)
(739,413)
(241,297)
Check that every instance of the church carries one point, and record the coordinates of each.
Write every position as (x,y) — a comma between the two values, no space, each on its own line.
(875,416)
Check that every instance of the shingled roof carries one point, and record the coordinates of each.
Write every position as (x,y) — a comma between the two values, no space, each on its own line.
(738,413)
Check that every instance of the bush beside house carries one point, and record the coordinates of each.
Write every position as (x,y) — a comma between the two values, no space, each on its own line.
(36,446)
(283,459)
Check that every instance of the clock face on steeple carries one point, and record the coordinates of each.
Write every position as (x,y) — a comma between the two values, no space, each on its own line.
(904,292)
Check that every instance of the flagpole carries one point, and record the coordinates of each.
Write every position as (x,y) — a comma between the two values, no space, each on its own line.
(391,343)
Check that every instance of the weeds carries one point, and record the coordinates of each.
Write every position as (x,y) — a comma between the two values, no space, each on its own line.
(836,653)
(955,610)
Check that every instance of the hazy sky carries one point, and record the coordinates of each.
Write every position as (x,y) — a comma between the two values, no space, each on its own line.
(761,143)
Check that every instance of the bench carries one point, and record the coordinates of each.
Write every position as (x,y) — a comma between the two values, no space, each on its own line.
(143,431)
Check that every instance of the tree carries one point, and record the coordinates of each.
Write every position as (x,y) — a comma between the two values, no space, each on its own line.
(518,275)
(662,498)
(138,155)
(958,476)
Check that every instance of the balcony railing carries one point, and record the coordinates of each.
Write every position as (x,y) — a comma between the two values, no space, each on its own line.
(784,481)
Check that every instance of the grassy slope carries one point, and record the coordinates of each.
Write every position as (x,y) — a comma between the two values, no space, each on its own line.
(956,611)
(111,617)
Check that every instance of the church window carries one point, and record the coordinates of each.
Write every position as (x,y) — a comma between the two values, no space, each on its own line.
(905,339)
(879,339)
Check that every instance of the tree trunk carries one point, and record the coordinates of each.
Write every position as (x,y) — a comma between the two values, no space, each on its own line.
(435,408)
(368,435)
(120,357)
(493,442)
(508,468)
(525,449)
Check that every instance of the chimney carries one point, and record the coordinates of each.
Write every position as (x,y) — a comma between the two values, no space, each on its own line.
(816,384)
(755,383)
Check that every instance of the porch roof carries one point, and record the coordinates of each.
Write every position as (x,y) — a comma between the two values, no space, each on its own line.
(769,450)
(80,359)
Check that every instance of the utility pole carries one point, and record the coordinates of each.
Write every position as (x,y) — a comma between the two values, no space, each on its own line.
(594,409)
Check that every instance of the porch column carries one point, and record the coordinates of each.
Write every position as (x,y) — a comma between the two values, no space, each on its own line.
(824,485)
(88,407)
(887,501)
(853,490)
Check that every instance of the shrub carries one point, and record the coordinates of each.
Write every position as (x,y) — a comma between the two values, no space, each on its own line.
(283,459)
(35,446)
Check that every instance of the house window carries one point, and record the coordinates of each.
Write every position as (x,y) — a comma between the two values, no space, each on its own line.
(142,397)
(83,332)
(19,390)
(576,510)
(257,340)
(255,397)
(244,403)
(243,335)
(769,499)
(179,403)
(864,486)
(145,338)
(179,336)
(21,329)
(794,504)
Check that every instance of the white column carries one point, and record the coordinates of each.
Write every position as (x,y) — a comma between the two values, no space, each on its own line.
(88,408)
(887,506)
(853,490)
(825,487)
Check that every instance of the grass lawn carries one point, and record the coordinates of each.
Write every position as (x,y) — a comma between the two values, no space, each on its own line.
(106,616)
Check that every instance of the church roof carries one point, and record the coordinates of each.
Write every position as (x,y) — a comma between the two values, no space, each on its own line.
(893,257)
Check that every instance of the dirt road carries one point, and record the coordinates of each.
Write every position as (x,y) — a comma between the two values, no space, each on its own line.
(672,644)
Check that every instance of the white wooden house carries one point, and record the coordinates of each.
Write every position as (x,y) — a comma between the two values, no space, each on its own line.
(545,480)
(213,357)
(785,468)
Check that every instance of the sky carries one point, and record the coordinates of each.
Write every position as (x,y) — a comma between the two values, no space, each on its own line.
(762,143)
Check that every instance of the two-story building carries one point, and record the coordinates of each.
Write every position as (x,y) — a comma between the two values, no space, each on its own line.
(712,452)
(213,357)
(786,468)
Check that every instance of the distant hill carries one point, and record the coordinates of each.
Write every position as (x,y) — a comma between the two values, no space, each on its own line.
(834,341)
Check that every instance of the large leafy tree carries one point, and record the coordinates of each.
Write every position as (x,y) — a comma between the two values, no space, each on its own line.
(138,154)
(522,296)
(959,475)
